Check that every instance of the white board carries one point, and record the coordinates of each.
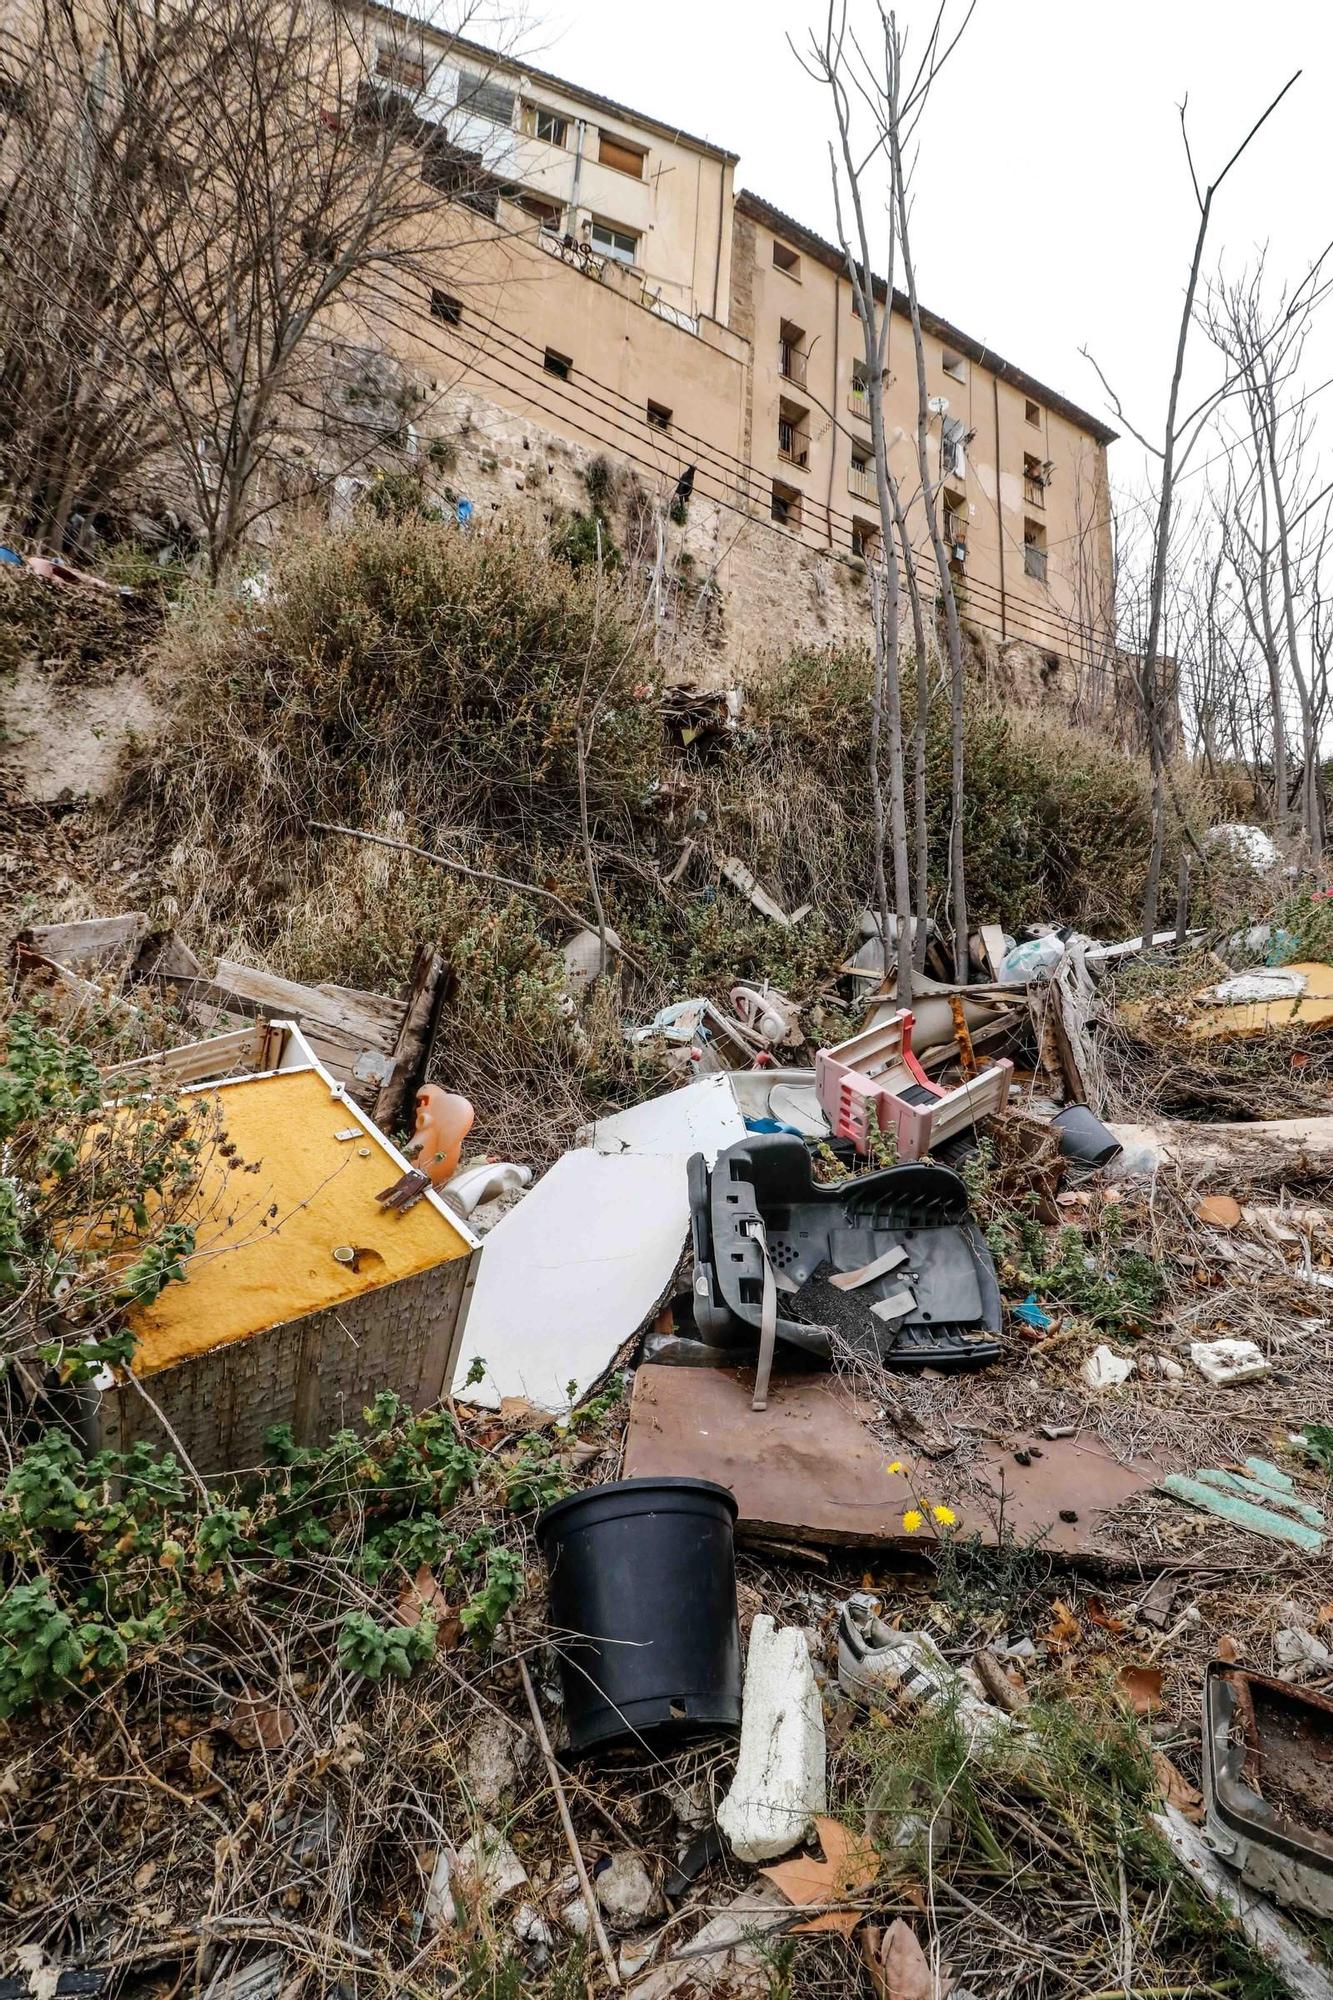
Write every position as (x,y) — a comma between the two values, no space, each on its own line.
(571,1274)
(702,1118)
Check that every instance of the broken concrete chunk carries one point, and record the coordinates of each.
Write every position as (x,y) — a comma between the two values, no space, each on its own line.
(779,1785)
(627,1893)
(1223,1361)
(497,1756)
(487,1867)
(1105,1369)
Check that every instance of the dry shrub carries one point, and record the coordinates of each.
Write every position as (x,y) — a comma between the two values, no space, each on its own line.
(405,667)
(409,679)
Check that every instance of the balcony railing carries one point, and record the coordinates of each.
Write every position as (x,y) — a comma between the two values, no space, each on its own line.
(1034,562)
(1034,493)
(858,402)
(791,362)
(861,480)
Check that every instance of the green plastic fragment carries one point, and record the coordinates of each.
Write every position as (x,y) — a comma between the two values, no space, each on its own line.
(1242,1513)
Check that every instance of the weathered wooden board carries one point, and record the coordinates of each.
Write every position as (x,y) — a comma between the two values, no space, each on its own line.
(88,945)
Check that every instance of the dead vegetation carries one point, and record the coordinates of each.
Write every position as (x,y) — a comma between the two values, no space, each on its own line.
(430,686)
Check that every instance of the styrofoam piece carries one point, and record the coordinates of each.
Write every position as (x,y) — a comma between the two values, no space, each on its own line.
(1224,1361)
(484,1182)
(704,1118)
(780,1785)
(1105,1369)
(1255,988)
(571,1274)
(1249,845)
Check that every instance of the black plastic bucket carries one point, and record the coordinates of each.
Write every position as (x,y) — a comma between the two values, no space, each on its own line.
(643,1605)
(1083,1138)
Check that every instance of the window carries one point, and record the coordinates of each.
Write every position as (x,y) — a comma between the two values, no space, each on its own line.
(620,154)
(954,365)
(396,65)
(791,351)
(1034,480)
(613,241)
(444,306)
(659,417)
(865,539)
(793,433)
(539,123)
(1034,550)
(785,259)
(955,524)
(1032,412)
(786,506)
(861,475)
(558,364)
(485,99)
(857,401)
(540,207)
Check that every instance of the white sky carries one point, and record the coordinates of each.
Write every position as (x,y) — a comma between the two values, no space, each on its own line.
(1053,206)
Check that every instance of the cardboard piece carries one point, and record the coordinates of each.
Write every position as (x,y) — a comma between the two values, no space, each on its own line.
(808,1469)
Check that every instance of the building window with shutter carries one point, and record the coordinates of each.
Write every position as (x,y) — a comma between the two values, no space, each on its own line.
(621,155)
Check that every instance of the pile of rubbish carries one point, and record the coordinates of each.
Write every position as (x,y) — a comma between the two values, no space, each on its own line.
(914,1291)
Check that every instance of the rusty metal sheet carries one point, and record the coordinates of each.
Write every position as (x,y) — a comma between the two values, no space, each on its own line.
(808,1468)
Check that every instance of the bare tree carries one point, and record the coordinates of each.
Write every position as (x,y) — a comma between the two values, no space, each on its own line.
(899,104)
(832,58)
(1181,432)
(890,100)
(1271,523)
(251,189)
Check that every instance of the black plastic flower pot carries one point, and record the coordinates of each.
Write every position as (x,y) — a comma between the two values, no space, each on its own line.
(643,1607)
(1083,1138)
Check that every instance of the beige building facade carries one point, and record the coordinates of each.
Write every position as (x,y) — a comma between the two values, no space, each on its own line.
(615,297)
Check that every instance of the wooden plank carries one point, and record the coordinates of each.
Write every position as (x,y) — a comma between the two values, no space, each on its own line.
(266,993)
(376,1006)
(739,876)
(165,956)
(410,1050)
(193,1062)
(992,948)
(88,945)
(808,1469)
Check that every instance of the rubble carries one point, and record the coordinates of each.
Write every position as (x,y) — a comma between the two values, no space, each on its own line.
(627,1893)
(827,1316)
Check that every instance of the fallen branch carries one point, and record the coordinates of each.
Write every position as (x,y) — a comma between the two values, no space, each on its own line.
(571,1838)
(460,867)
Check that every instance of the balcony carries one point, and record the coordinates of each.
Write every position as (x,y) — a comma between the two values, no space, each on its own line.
(861,478)
(858,402)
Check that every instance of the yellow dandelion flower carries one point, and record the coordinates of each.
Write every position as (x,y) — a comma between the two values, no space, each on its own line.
(913,1519)
(897,1466)
(944,1515)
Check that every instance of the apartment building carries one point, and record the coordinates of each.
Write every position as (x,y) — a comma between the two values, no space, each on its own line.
(613,293)
(1021,471)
